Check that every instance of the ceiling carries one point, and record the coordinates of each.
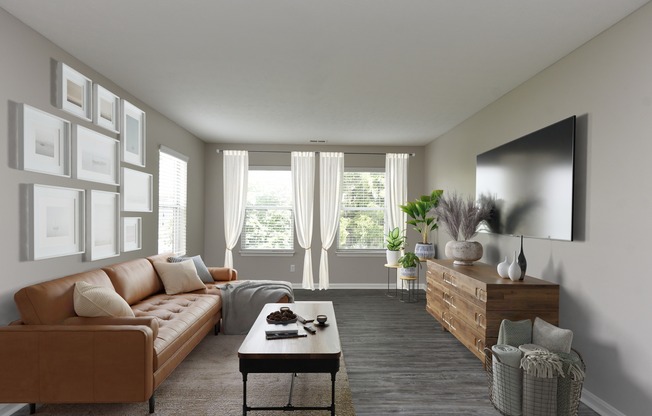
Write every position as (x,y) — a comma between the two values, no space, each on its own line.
(358,72)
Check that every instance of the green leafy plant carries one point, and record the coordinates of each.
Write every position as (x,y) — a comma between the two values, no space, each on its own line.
(419,210)
(395,240)
(409,259)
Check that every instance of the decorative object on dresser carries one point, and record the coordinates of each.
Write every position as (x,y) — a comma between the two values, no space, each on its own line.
(503,268)
(419,210)
(471,302)
(522,262)
(395,240)
(461,217)
(514,270)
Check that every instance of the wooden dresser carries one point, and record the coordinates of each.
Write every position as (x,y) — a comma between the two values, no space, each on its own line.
(472,301)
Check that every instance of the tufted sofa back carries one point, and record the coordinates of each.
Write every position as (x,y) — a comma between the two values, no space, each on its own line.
(134,280)
(49,303)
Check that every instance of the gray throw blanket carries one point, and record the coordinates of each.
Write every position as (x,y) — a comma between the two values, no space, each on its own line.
(242,301)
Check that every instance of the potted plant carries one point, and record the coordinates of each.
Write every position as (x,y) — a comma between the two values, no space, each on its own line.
(408,263)
(419,211)
(395,240)
(461,218)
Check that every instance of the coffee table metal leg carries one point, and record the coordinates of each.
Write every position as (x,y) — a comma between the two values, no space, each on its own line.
(244,394)
(333,393)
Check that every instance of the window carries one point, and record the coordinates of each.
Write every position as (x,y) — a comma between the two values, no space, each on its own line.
(172,201)
(362,216)
(269,222)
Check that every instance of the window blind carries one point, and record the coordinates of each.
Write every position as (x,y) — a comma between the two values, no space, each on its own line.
(363,211)
(173,201)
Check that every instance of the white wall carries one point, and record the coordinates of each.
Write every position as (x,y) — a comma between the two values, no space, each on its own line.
(25,77)
(344,270)
(605,273)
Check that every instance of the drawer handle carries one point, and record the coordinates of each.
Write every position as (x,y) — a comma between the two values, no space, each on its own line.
(479,345)
(481,294)
(449,299)
(480,320)
(450,279)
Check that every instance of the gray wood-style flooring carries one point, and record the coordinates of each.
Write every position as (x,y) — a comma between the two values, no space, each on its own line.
(400,361)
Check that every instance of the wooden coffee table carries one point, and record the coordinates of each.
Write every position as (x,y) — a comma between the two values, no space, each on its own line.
(318,353)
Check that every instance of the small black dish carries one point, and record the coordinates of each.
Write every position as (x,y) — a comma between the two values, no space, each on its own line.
(325,324)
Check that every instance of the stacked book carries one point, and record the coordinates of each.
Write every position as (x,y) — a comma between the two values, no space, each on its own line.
(274,331)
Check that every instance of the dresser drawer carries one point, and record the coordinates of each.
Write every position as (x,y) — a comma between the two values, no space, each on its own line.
(472,289)
(467,336)
(450,299)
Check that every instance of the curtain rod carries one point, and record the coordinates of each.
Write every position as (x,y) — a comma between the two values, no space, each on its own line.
(346,153)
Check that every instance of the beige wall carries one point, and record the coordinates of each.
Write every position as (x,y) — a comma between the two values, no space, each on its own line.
(604,274)
(25,77)
(345,271)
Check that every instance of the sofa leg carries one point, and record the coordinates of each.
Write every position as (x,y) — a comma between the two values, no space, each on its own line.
(216,329)
(32,408)
(152,403)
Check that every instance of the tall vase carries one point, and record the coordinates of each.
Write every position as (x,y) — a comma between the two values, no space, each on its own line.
(522,262)
(514,269)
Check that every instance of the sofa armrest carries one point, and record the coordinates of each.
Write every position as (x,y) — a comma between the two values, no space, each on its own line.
(76,363)
(148,321)
(223,274)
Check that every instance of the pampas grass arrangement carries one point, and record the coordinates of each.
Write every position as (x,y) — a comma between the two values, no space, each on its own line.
(461,216)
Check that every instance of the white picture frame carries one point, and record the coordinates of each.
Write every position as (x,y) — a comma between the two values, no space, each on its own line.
(44,142)
(58,221)
(104,225)
(133,134)
(132,233)
(136,190)
(106,108)
(97,157)
(74,92)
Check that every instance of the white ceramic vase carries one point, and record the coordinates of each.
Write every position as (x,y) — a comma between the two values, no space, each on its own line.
(514,271)
(503,268)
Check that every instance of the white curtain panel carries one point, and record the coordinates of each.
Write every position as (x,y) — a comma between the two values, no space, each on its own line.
(303,201)
(236,170)
(396,189)
(331,171)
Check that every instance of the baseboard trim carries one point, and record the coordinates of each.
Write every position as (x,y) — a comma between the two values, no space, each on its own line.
(10,409)
(357,286)
(598,405)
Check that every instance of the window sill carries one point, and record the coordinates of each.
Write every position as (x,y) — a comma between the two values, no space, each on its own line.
(360,253)
(266,253)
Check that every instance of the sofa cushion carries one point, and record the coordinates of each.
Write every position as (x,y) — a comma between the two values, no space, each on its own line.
(93,301)
(179,318)
(179,277)
(551,337)
(134,280)
(202,270)
(49,303)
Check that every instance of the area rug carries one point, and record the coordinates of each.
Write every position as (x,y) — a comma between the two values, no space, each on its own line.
(208,382)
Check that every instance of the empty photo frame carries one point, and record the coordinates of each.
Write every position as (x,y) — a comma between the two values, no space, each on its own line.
(74,92)
(133,134)
(104,225)
(136,190)
(132,236)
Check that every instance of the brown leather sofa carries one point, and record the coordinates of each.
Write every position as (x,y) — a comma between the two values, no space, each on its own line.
(51,355)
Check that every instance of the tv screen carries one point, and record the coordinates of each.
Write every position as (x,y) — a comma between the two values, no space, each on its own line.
(531,180)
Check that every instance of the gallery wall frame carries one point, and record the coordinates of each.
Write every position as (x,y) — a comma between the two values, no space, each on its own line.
(136,190)
(57,221)
(97,157)
(106,108)
(43,142)
(74,92)
(104,225)
(132,233)
(133,134)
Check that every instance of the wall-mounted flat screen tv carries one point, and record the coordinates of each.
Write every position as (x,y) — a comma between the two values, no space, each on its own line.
(531,180)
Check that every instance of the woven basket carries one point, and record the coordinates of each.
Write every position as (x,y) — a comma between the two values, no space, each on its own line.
(515,393)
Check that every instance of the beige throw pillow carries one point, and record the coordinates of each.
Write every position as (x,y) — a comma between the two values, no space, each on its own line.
(551,337)
(179,277)
(92,301)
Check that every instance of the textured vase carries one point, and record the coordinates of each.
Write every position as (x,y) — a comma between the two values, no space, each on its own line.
(424,251)
(514,271)
(503,268)
(392,257)
(522,262)
(464,252)
(407,271)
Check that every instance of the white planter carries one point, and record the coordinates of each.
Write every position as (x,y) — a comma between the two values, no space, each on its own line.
(463,252)
(407,271)
(392,257)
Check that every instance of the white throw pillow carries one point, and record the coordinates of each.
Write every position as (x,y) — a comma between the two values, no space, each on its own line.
(551,337)
(179,277)
(92,301)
